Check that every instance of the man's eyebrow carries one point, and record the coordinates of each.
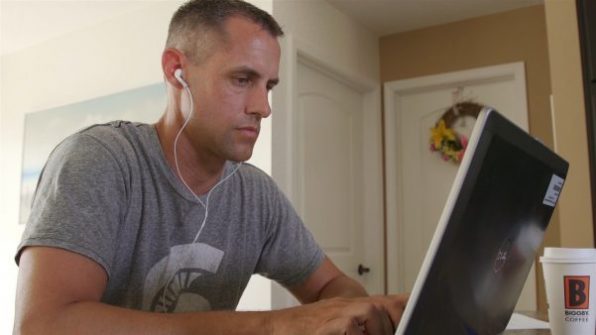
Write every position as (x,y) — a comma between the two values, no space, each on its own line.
(253,74)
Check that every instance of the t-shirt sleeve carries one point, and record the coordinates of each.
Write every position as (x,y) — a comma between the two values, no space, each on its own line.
(290,254)
(79,201)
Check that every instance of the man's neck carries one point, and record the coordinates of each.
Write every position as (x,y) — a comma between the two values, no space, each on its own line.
(199,172)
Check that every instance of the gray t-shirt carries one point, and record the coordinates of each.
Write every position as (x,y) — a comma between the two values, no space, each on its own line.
(107,193)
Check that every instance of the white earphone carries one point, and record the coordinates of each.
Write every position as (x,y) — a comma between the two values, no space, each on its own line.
(178,75)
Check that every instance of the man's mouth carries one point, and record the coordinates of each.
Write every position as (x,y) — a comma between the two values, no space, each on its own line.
(249,131)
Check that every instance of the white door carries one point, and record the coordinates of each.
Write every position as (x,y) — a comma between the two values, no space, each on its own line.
(419,180)
(327,144)
(328,174)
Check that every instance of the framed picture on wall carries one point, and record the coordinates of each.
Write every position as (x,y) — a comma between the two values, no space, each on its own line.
(47,128)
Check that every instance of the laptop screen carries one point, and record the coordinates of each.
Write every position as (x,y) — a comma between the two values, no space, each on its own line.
(491,235)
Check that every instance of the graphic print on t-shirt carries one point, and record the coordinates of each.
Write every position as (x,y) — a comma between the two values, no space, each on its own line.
(169,284)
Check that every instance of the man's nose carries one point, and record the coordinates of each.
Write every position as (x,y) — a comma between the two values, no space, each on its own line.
(258,103)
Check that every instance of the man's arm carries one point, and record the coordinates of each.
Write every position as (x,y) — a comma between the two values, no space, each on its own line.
(327,282)
(59,292)
(345,304)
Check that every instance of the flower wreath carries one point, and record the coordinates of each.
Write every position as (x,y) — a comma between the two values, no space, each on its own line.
(447,141)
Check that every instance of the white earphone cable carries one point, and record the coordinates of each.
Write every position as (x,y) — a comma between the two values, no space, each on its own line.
(204,204)
(188,116)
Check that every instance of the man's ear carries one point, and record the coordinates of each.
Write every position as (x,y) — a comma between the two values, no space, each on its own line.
(171,60)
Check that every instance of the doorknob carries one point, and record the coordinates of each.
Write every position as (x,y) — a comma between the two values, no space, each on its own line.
(362,269)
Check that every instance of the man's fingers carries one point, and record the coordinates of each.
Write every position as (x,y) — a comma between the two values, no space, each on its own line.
(356,329)
(345,325)
(395,305)
(374,319)
(387,324)
(384,313)
(371,315)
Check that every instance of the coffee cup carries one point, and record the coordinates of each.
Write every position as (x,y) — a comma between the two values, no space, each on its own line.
(568,276)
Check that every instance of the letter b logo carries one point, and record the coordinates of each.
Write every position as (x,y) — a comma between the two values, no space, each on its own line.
(577,292)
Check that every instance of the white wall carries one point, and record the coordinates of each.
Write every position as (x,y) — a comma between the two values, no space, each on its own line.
(346,47)
(332,34)
(110,57)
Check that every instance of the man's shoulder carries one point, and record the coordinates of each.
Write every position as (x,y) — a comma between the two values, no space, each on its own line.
(117,139)
(115,130)
(258,180)
(115,134)
(252,171)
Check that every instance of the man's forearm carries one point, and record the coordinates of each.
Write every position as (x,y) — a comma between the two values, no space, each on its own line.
(98,318)
(329,316)
(342,286)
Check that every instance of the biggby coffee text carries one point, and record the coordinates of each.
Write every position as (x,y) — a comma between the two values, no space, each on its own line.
(576,316)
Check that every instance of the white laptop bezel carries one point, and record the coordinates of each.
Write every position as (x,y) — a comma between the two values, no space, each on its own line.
(443,220)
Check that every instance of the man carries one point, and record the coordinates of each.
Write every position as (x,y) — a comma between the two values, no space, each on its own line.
(131,222)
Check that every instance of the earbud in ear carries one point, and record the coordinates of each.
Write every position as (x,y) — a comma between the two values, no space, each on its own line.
(178,75)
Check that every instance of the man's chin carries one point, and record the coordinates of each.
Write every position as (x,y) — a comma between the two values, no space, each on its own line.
(241,156)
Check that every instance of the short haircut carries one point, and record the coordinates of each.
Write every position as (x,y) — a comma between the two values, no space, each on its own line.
(192,24)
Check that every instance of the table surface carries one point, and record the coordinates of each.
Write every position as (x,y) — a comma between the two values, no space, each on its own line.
(528,332)
(536,315)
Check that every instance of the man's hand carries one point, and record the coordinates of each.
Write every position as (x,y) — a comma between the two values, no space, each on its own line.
(377,315)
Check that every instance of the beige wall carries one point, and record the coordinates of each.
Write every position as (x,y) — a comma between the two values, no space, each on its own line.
(514,36)
(518,35)
(575,207)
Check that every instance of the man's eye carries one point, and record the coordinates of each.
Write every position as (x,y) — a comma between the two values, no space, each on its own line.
(242,81)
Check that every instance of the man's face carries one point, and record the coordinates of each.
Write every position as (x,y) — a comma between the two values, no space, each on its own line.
(230,90)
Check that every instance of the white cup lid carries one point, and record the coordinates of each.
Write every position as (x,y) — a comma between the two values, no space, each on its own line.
(544,260)
(569,253)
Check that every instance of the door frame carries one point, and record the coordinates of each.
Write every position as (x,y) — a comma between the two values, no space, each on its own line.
(392,122)
(586,17)
(284,104)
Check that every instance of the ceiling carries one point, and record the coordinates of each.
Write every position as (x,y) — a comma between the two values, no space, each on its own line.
(24,23)
(386,17)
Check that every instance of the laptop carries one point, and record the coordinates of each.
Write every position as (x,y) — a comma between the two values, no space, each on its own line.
(488,235)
